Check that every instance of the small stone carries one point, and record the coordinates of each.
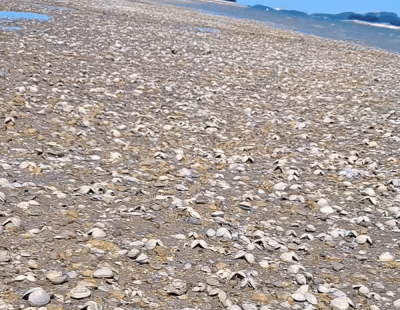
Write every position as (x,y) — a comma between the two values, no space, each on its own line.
(259,297)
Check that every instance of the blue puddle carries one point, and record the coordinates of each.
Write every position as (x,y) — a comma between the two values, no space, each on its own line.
(204,29)
(9,29)
(11,16)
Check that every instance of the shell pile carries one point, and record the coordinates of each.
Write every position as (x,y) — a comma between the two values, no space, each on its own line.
(156,158)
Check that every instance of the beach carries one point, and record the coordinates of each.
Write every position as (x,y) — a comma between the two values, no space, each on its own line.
(153,157)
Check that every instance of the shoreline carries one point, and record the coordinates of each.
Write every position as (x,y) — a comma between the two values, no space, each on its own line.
(374,24)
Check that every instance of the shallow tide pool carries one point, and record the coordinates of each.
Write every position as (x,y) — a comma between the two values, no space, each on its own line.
(10,15)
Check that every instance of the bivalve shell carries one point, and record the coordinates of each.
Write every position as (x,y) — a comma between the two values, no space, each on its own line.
(37,297)
(14,222)
(97,233)
(142,258)
(56,277)
(103,273)
(80,292)
(133,253)
(4,256)
(91,305)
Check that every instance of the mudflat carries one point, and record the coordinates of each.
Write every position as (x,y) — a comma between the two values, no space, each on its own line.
(156,158)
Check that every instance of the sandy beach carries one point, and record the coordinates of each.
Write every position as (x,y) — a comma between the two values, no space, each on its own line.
(156,158)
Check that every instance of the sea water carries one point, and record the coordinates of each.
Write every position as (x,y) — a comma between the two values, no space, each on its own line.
(367,35)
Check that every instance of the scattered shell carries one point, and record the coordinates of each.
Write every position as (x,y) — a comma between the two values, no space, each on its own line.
(386,257)
(91,305)
(56,277)
(103,273)
(37,297)
(80,292)
(97,233)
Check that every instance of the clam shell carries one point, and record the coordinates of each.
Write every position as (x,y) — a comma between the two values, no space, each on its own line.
(151,244)
(14,221)
(37,297)
(4,256)
(103,273)
(97,233)
(133,253)
(56,277)
(91,305)
(80,292)
(142,258)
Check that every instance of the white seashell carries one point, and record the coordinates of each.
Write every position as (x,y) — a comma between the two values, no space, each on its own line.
(14,221)
(363,239)
(327,210)
(289,257)
(298,297)
(280,186)
(92,305)
(137,244)
(133,253)
(37,297)
(56,277)
(250,258)
(142,258)
(210,233)
(80,292)
(386,257)
(103,273)
(151,244)
(5,256)
(200,243)
(311,298)
(368,191)
(222,231)
(97,233)
(264,264)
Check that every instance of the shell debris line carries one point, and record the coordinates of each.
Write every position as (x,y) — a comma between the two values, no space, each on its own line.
(156,158)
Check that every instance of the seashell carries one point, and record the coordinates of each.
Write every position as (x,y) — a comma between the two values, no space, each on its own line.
(91,305)
(368,192)
(97,233)
(37,297)
(210,233)
(56,277)
(289,257)
(5,256)
(80,292)
(151,244)
(14,222)
(103,273)
(133,253)
(363,239)
(386,257)
(142,258)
